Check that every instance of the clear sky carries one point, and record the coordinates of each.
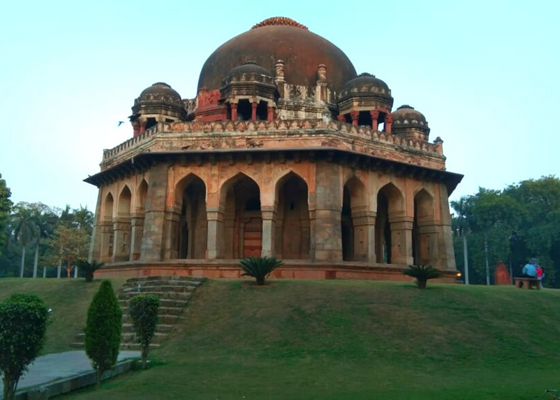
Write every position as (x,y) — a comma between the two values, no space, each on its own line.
(484,73)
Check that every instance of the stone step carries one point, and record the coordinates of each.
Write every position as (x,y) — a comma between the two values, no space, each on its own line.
(160,288)
(163,328)
(124,303)
(161,295)
(193,278)
(134,285)
(162,319)
(131,337)
(136,346)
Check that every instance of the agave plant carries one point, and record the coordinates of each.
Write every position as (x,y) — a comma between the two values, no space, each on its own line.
(259,267)
(89,268)
(422,273)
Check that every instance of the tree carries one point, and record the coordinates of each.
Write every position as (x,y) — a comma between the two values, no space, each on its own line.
(44,220)
(89,268)
(259,267)
(23,324)
(143,311)
(68,244)
(103,330)
(460,225)
(24,229)
(422,273)
(5,207)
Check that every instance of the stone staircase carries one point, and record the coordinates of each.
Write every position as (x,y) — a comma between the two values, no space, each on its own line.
(174,293)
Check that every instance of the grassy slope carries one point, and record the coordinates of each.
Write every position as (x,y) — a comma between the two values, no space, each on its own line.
(69,300)
(355,340)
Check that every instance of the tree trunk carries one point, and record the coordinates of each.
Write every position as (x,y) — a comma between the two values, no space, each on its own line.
(36,260)
(98,385)
(486,255)
(22,262)
(44,272)
(466,258)
(260,280)
(76,271)
(59,269)
(421,283)
(10,388)
(145,350)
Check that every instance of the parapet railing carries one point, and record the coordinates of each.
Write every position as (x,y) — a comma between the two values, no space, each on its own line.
(254,127)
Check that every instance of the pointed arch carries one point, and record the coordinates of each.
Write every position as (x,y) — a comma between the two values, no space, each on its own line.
(107,233)
(108,207)
(240,202)
(137,220)
(353,231)
(125,200)
(142,194)
(390,202)
(423,238)
(292,223)
(190,231)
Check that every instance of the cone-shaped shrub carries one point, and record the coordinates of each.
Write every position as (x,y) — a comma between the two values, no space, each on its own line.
(103,330)
(259,267)
(143,311)
(422,273)
(23,324)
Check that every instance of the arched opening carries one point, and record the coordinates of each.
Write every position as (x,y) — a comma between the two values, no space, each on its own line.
(244,110)
(123,228)
(193,222)
(292,236)
(364,119)
(138,220)
(383,230)
(422,236)
(353,221)
(107,229)
(242,218)
(262,111)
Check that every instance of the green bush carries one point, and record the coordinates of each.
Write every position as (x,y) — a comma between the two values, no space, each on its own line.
(143,311)
(259,267)
(103,329)
(89,268)
(23,324)
(422,273)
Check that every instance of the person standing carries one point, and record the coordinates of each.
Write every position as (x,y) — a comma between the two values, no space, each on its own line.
(540,275)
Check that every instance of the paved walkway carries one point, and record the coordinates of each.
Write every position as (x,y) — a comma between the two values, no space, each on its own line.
(60,366)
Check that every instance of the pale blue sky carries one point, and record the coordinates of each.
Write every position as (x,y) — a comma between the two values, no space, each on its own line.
(484,73)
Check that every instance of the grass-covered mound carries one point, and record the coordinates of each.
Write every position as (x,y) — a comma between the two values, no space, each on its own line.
(67,298)
(355,340)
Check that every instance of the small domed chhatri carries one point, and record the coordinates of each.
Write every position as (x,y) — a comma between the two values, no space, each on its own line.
(410,123)
(282,151)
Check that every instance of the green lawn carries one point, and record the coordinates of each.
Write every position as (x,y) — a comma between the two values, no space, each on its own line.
(354,340)
(69,300)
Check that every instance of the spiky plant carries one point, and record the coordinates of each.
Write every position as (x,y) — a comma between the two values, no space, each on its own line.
(422,273)
(259,267)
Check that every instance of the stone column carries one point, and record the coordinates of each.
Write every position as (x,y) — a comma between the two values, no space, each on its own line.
(364,235)
(137,229)
(428,247)
(445,252)
(268,232)
(152,239)
(401,240)
(374,117)
(121,239)
(388,123)
(325,219)
(355,115)
(171,233)
(142,126)
(215,233)
(254,111)
(270,115)
(233,111)
(106,245)
(341,118)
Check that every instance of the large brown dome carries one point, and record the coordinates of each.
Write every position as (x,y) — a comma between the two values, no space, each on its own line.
(279,39)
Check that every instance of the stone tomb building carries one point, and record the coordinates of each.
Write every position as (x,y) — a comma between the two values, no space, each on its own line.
(286,151)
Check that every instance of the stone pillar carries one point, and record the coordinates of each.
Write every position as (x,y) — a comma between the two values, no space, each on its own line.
(445,252)
(137,229)
(401,240)
(428,246)
(152,238)
(233,111)
(142,126)
(364,235)
(270,115)
(355,115)
(388,123)
(325,219)
(106,245)
(268,231)
(136,128)
(341,118)
(254,111)
(215,232)
(96,234)
(121,239)
(374,119)
(171,233)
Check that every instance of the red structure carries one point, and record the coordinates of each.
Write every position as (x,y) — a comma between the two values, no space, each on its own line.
(501,274)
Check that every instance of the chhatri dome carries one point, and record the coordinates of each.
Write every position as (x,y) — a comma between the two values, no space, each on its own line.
(284,151)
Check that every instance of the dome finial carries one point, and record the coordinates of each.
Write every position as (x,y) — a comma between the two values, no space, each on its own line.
(279,21)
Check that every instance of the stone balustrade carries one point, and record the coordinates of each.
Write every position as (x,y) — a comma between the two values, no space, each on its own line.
(277,127)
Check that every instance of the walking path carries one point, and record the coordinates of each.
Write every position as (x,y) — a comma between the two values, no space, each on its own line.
(54,374)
